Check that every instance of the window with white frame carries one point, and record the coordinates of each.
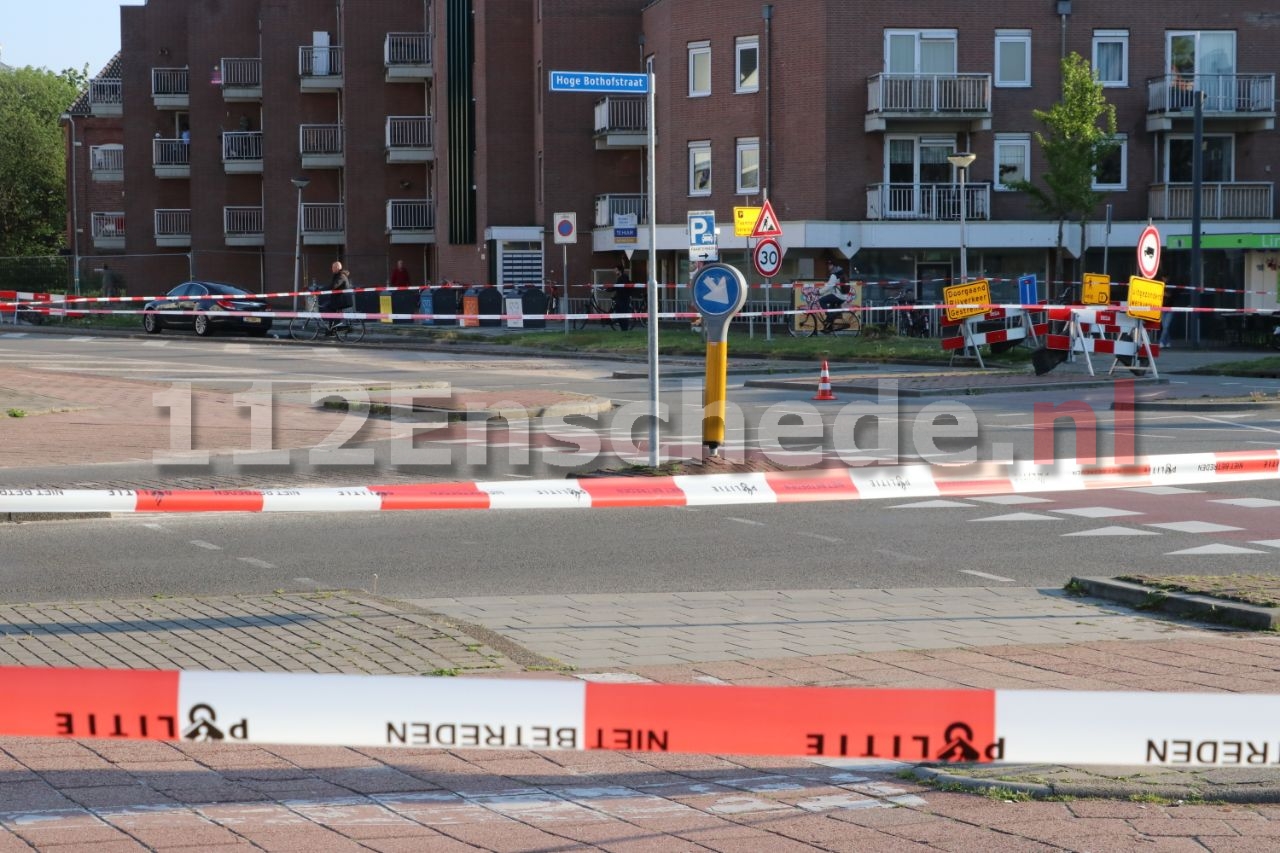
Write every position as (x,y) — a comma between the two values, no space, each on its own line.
(920,51)
(699,69)
(1013,58)
(747,66)
(748,166)
(1013,159)
(700,168)
(1113,172)
(1111,57)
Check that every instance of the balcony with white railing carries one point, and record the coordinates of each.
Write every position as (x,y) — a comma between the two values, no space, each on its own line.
(106,97)
(324,224)
(242,152)
(612,204)
(1229,101)
(106,162)
(621,122)
(241,78)
(171,158)
(411,220)
(242,225)
(321,146)
(1235,200)
(173,228)
(931,202)
(320,68)
(407,57)
(171,88)
(410,139)
(107,229)
(945,101)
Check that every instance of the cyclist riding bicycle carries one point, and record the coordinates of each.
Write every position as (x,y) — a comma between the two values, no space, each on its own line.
(340,300)
(833,294)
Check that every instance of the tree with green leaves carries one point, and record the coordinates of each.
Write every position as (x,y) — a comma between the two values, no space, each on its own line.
(33,201)
(1081,134)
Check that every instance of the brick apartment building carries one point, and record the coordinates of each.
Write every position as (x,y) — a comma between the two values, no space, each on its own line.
(425,131)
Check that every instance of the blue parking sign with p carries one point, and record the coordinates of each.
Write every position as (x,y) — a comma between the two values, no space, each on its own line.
(702,230)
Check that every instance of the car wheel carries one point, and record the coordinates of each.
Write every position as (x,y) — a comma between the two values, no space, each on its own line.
(151,324)
(203,327)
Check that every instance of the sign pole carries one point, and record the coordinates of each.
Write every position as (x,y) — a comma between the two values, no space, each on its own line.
(564,286)
(719,291)
(655,455)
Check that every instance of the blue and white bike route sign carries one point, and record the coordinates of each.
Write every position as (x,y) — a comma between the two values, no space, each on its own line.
(719,290)
(599,81)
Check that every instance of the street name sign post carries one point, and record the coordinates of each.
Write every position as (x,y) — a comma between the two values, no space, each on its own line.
(618,83)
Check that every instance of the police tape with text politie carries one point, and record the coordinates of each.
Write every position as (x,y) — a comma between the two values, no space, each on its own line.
(914,725)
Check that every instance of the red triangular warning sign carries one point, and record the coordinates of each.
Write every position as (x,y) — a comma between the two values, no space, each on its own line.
(767,225)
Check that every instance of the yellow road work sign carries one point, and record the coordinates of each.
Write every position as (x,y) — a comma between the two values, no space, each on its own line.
(1097,289)
(744,220)
(971,293)
(1146,294)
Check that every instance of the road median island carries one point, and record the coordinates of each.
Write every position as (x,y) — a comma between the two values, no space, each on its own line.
(1243,601)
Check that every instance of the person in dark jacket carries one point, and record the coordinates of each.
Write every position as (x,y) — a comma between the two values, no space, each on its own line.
(622,295)
(341,299)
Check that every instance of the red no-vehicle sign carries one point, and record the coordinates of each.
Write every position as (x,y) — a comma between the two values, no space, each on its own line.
(767,257)
(1149,252)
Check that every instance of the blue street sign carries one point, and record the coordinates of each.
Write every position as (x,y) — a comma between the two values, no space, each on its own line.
(1027,294)
(599,81)
(718,290)
(702,229)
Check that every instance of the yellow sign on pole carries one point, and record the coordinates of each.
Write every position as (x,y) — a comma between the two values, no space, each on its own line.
(1148,296)
(969,294)
(744,220)
(1097,289)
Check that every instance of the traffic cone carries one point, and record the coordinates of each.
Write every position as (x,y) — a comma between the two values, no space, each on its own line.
(824,384)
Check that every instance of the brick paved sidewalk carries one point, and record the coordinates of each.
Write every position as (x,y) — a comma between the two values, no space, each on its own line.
(74,795)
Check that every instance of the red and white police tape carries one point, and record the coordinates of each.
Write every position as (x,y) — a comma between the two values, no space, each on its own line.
(825,484)
(909,725)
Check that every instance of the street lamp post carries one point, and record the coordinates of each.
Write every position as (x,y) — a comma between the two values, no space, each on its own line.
(962,161)
(300,184)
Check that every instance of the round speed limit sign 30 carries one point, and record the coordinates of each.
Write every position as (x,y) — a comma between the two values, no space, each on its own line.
(767,257)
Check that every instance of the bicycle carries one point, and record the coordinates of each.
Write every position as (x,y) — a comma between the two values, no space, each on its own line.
(909,322)
(346,330)
(601,302)
(816,318)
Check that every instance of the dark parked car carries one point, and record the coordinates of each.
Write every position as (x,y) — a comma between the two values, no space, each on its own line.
(205,306)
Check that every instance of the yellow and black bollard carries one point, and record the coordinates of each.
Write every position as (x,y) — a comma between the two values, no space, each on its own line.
(719,292)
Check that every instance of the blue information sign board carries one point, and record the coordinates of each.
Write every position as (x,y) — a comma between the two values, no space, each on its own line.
(1027,294)
(599,81)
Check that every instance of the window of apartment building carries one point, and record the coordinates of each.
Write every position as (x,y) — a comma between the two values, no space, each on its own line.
(1219,159)
(1205,61)
(920,51)
(700,168)
(699,69)
(1113,172)
(1013,159)
(1111,57)
(747,72)
(1013,58)
(748,166)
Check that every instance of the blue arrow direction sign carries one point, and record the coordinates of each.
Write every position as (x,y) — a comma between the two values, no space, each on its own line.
(599,81)
(718,290)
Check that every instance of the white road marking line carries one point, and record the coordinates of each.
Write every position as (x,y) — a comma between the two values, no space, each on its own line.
(153,526)
(1239,425)
(1213,550)
(1270,543)
(1251,503)
(1019,516)
(1166,490)
(1097,512)
(938,504)
(254,561)
(1114,531)
(834,540)
(208,546)
(1010,500)
(1194,527)
(985,575)
(744,521)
